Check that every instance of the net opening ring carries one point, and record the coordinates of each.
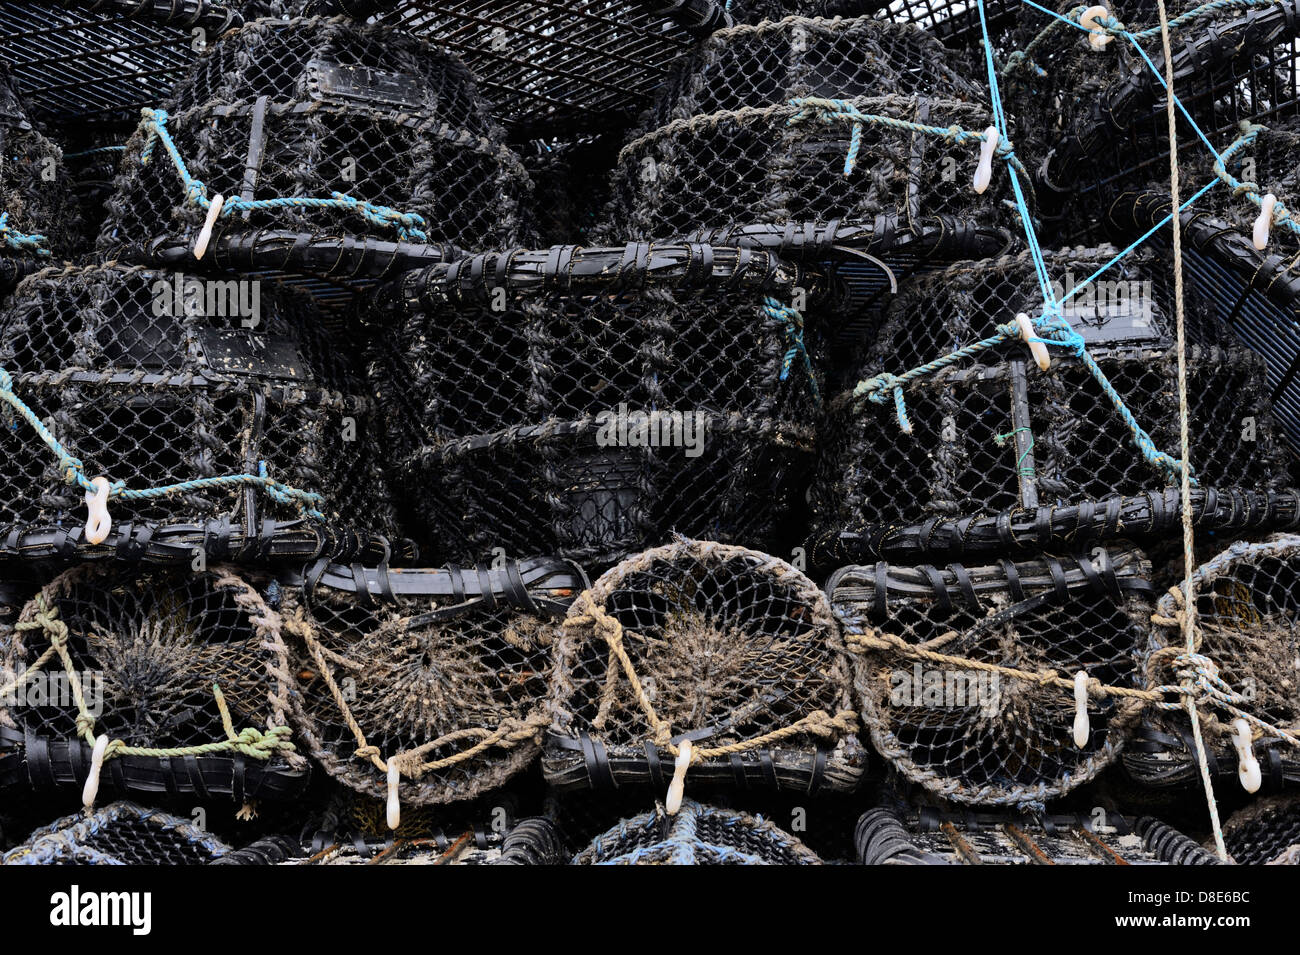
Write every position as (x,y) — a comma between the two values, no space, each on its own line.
(91,789)
(1264,224)
(98,521)
(394,801)
(677,788)
(1036,348)
(1098,39)
(1082,728)
(1248,771)
(984,171)
(205,234)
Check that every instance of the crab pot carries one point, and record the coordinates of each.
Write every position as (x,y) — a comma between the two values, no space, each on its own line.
(305,108)
(1266,832)
(155,378)
(697,835)
(974,728)
(35,197)
(1247,603)
(995,435)
(721,149)
(924,835)
(444,671)
(588,402)
(728,647)
(122,833)
(146,652)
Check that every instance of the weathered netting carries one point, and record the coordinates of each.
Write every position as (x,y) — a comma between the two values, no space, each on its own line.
(38,218)
(928,836)
(570,187)
(697,835)
(93,154)
(754,130)
(1248,637)
(1266,832)
(121,833)
(968,672)
(588,402)
(531,841)
(728,649)
(183,675)
(993,437)
(140,378)
(326,127)
(440,674)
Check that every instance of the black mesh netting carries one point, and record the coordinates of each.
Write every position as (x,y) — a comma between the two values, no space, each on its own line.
(155,378)
(930,836)
(1266,832)
(1248,628)
(955,666)
(728,649)
(37,215)
(531,841)
(589,401)
(570,187)
(158,662)
(121,833)
(441,674)
(301,110)
(994,435)
(725,145)
(697,835)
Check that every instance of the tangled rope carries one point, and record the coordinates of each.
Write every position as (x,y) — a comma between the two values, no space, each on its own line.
(792,320)
(1250,190)
(74,470)
(21,241)
(409,225)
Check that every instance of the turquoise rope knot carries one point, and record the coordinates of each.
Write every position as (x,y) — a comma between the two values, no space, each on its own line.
(793,323)
(21,240)
(886,387)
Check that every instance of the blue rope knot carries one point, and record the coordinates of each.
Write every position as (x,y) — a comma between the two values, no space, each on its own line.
(21,240)
(797,349)
(886,387)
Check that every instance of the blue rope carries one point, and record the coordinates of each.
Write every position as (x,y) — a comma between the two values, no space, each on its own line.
(74,470)
(21,240)
(792,321)
(409,225)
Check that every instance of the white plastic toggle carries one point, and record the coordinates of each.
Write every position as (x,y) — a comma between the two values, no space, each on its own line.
(205,235)
(1082,729)
(98,522)
(1264,224)
(394,802)
(677,788)
(1036,348)
(1247,766)
(984,171)
(1097,38)
(91,789)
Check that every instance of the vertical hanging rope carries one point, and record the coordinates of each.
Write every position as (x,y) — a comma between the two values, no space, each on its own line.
(1189,555)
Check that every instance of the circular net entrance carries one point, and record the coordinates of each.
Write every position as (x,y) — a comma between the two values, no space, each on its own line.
(222,404)
(969,672)
(727,649)
(440,675)
(789,121)
(953,421)
(318,126)
(183,675)
(588,402)
(697,835)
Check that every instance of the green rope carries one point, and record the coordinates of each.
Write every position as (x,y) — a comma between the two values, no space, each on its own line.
(1001,441)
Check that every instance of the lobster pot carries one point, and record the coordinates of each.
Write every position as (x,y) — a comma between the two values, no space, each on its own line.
(588,417)
(441,673)
(728,649)
(156,379)
(725,145)
(954,659)
(995,435)
(928,836)
(532,841)
(166,667)
(37,215)
(1247,604)
(1266,832)
(697,835)
(122,833)
(292,112)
